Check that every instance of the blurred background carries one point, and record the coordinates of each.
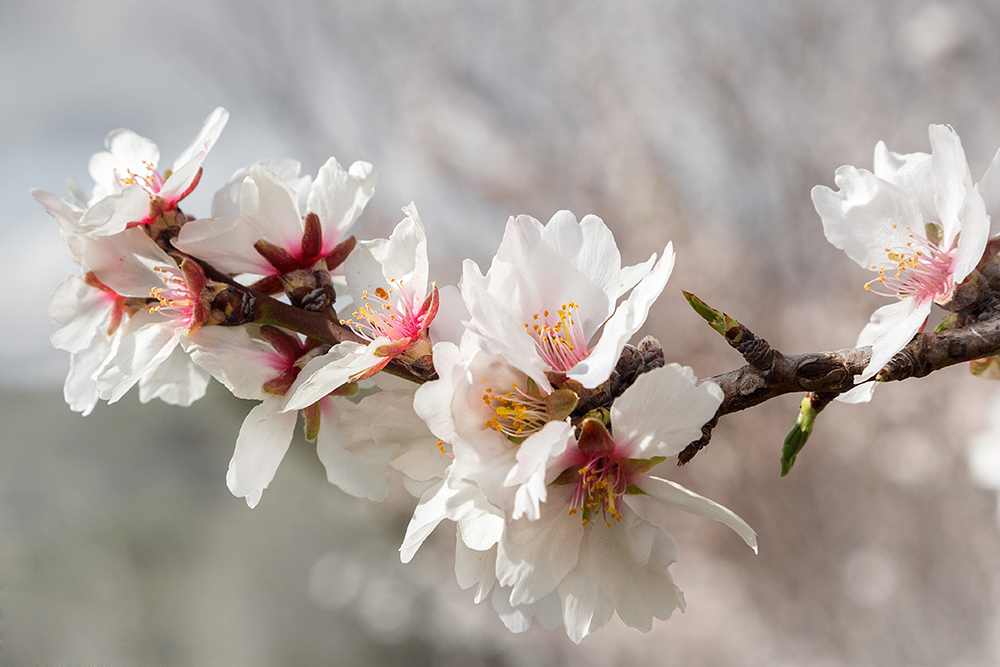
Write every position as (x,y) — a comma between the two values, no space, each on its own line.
(703,123)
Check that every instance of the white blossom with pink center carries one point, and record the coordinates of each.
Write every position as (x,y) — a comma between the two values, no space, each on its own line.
(598,546)
(388,284)
(132,266)
(128,188)
(92,315)
(258,225)
(551,287)
(919,223)
(356,442)
(501,426)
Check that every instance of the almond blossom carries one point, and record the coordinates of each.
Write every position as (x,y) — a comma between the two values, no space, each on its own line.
(271,236)
(551,287)
(598,546)
(919,223)
(91,316)
(356,442)
(259,367)
(128,189)
(499,422)
(388,283)
(131,265)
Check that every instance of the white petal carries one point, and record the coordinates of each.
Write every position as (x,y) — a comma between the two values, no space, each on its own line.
(631,275)
(475,568)
(239,362)
(520,236)
(226,244)
(453,499)
(866,216)
(447,324)
(432,400)
(861,393)
(226,202)
(952,180)
(80,388)
(676,496)
(548,611)
(136,355)
(207,136)
(66,216)
(534,556)
(628,318)
(354,462)
(501,332)
(480,525)
(912,173)
(533,457)
(589,246)
(273,207)
(113,214)
(338,197)
(663,412)
(972,241)
(401,258)
(327,372)
(623,568)
(262,443)
(80,310)
(415,450)
(175,381)
(128,262)
(888,331)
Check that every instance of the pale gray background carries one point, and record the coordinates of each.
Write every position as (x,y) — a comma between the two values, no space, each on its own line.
(706,123)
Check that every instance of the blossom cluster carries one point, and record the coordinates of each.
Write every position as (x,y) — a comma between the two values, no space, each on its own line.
(498,401)
(512,405)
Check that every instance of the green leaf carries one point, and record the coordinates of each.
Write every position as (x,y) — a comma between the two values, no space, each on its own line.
(798,436)
(717,319)
(950,321)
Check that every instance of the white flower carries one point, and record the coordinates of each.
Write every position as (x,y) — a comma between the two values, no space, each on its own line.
(387,280)
(132,266)
(91,316)
(503,428)
(271,236)
(128,189)
(356,442)
(598,543)
(920,223)
(551,287)
(597,546)
(378,432)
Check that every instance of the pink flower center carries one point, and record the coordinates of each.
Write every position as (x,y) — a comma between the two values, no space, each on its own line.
(560,341)
(602,480)
(151,182)
(921,269)
(176,300)
(380,315)
(516,413)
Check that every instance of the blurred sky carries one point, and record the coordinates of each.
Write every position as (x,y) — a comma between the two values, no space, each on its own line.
(702,123)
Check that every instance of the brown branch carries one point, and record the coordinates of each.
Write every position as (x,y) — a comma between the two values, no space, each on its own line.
(828,374)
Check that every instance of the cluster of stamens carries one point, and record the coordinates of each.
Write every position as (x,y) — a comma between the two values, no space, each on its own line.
(379,316)
(516,413)
(562,343)
(175,299)
(601,482)
(151,183)
(920,269)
